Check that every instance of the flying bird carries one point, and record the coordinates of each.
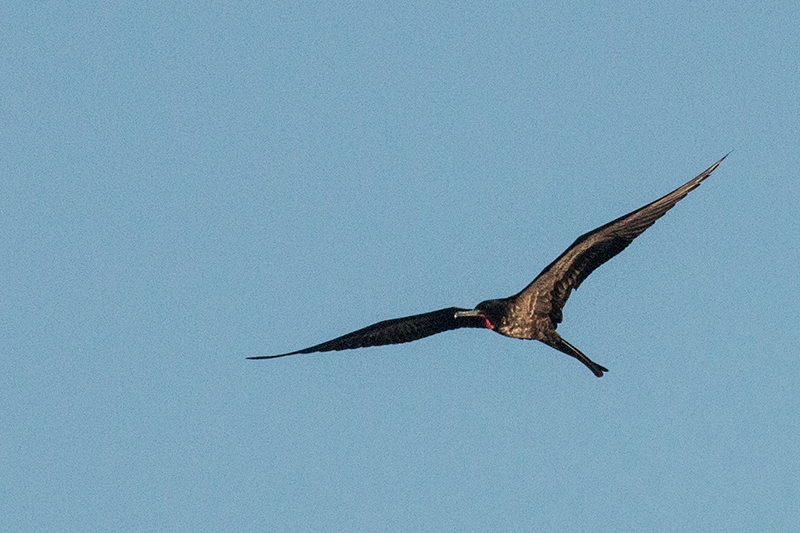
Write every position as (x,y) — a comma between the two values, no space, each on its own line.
(534,312)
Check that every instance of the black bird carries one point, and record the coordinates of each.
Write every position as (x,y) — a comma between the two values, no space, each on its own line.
(535,312)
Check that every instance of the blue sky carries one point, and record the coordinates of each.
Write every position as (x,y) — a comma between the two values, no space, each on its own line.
(185,186)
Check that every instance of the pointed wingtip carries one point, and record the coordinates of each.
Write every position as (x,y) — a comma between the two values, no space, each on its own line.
(713,167)
(257,357)
(723,159)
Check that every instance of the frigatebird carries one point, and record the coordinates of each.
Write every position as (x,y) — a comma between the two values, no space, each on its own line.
(534,312)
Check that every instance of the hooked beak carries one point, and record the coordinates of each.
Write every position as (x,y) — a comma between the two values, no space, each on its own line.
(471,312)
(475,313)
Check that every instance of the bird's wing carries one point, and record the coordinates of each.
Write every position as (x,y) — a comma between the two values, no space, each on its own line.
(397,331)
(548,293)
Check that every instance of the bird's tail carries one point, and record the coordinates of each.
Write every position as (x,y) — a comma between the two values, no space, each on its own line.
(563,346)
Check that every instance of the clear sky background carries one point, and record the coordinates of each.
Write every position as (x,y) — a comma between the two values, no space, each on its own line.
(183,186)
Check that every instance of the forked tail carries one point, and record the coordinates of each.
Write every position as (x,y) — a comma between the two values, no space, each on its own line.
(569,349)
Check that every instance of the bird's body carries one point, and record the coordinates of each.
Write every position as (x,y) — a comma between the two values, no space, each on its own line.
(534,312)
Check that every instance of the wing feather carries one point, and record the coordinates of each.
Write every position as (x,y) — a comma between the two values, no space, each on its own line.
(547,294)
(396,331)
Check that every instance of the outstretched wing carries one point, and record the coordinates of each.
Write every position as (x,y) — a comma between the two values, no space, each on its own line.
(396,331)
(548,293)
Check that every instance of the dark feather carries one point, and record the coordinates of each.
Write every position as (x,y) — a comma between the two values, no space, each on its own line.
(396,331)
(548,293)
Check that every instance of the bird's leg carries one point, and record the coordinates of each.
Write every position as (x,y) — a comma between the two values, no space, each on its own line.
(563,346)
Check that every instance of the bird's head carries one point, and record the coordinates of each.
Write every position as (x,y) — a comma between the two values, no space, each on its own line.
(493,310)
